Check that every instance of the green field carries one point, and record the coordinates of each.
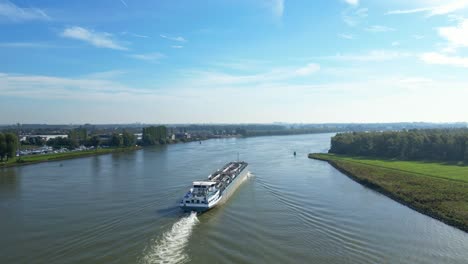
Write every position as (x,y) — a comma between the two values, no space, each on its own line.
(61,156)
(432,169)
(436,189)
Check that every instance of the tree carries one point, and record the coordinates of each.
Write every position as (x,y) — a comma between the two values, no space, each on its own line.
(11,145)
(153,135)
(61,142)
(78,136)
(116,140)
(129,139)
(3,148)
(95,141)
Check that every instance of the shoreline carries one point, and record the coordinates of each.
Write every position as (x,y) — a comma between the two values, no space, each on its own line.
(41,158)
(374,185)
(71,155)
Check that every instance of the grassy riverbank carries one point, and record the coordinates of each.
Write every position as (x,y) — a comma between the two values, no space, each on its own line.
(31,159)
(439,190)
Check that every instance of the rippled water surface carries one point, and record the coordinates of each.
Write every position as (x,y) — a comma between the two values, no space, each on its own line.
(122,208)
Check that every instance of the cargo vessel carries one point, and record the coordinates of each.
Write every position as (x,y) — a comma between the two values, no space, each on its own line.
(220,185)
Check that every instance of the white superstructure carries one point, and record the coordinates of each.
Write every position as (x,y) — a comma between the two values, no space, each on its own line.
(205,195)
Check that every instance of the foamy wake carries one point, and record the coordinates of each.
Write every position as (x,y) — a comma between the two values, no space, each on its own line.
(169,248)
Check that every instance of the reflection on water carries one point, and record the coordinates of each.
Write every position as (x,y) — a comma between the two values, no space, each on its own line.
(122,208)
(8,177)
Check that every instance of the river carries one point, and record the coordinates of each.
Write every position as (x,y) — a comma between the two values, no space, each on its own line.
(122,208)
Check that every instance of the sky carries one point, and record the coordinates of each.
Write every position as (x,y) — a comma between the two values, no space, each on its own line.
(233,61)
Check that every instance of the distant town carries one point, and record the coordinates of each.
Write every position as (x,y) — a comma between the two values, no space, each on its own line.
(36,139)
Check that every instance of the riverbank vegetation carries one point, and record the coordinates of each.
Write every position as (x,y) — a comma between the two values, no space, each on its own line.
(436,189)
(154,135)
(427,144)
(31,159)
(8,146)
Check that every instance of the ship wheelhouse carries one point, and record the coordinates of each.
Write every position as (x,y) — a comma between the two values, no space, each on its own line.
(201,193)
(204,195)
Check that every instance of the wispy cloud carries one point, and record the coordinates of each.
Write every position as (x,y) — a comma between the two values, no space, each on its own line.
(25,45)
(442,59)
(446,8)
(379,29)
(372,56)
(352,2)
(346,36)
(18,14)
(126,33)
(139,36)
(176,46)
(308,69)
(179,39)
(155,56)
(98,39)
(215,78)
(124,3)
(395,43)
(61,87)
(277,7)
(353,17)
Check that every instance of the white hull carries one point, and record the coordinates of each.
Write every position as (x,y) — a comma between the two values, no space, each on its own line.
(220,199)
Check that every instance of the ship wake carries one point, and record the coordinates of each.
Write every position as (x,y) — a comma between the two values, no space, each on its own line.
(169,248)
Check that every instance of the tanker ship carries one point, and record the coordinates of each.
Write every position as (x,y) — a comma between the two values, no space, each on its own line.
(215,190)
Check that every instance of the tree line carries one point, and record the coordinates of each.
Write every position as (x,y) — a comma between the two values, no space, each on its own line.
(8,145)
(154,135)
(151,136)
(74,140)
(426,144)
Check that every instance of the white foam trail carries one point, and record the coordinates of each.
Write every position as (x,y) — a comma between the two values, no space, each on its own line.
(169,248)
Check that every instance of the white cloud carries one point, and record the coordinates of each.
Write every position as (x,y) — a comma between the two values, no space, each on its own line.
(140,36)
(443,9)
(216,78)
(176,46)
(18,14)
(372,56)
(25,45)
(98,39)
(179,39)
(277,7)
(352,2)
(456,36)
(40,86)
(308,70)
(155,56)
(133,34)
(352,16)
(395,43)
(378,29)
(346,36)
(100,101)
(441,59)
(409,11)
(418,37)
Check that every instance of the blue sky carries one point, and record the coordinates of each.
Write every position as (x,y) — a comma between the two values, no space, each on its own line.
(233,61)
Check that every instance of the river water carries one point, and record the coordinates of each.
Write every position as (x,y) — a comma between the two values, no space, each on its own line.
(122,208)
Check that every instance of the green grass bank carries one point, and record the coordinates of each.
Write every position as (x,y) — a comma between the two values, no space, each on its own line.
(31,159)
(439,190)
